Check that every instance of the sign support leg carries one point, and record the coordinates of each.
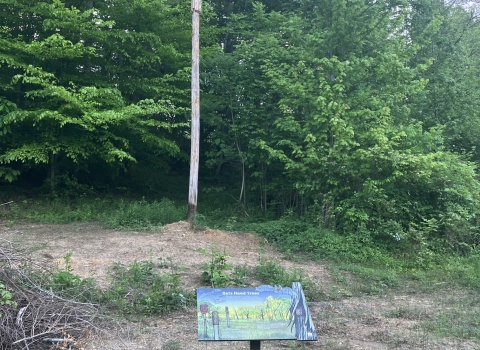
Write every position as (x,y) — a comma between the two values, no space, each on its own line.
(254,344)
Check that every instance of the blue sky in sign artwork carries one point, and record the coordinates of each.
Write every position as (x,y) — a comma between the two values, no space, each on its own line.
(242,296)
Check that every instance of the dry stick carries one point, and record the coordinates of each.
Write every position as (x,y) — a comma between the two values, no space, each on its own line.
(20,315)
(32,337)
(58,340)
(6,203)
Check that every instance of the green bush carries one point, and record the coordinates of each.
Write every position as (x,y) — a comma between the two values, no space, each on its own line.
(272,273)
(139,289)
(299,237)
(63,281)
(6,297)
(464,271)
(144,215)
(217,273)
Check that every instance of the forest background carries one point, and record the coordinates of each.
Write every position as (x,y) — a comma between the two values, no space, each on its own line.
(343,129)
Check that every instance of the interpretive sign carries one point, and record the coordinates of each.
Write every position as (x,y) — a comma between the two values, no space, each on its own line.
(262,313)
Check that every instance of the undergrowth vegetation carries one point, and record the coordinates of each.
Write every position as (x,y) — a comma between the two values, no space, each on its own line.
(112,212)
(141,288)
(360,253)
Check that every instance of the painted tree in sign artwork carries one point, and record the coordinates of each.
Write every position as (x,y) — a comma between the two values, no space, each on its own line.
(300,316)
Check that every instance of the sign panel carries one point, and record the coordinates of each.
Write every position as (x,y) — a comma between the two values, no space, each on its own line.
(262,313)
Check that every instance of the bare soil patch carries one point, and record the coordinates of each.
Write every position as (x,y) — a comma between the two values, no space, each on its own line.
(353,323)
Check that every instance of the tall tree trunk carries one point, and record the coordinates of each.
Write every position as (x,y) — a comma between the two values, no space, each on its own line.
(195,131)
(53,160)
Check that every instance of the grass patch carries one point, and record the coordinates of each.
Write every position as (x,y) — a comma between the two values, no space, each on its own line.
(145,215)
(459,316)
(172,345)
(300,236)
(358,280)
(407,313)
(56,210)
(112,212)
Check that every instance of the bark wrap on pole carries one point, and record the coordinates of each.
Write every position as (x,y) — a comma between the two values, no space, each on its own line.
(195,134)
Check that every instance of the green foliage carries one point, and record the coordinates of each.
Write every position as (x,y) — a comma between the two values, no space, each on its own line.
(64,281)
(315,115)
(198,222)
(301,237)
(216,272)
(144,215)
(461,270)
(354,123)
(272,273)
(87,86)
(6,297)
(139,289)
(64,278)
(241,276)
(113,212)
(61,210)
(375,267)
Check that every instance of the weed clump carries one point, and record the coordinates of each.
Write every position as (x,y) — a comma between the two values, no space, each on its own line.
(138,288)
(217,273)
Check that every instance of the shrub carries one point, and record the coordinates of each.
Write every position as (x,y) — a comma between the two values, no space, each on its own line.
(144,215)
(218,273)
(139,289)
(272,273)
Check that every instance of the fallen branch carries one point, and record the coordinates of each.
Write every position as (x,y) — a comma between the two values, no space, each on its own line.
(30,338)
(58,340)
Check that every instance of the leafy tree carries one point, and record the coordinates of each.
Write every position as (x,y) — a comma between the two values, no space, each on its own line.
(314,107)
(84,85)
(449,37)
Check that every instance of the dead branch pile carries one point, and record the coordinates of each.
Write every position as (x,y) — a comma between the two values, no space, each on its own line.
(39,318)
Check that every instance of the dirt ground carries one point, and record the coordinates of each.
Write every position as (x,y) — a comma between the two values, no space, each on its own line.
(352,323)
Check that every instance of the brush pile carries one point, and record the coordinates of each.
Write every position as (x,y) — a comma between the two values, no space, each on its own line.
(32,316)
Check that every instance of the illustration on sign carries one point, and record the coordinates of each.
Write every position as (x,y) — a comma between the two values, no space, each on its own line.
(262,313)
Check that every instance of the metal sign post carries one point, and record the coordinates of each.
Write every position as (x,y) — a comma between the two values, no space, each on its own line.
(195,134)
(254,344)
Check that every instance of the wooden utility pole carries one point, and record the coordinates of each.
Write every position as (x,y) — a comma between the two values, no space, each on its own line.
(195,134)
